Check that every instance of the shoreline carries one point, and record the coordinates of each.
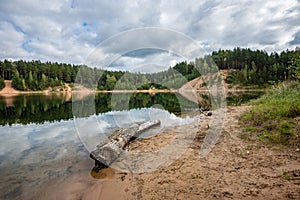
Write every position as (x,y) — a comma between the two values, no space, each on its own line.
(191,86)
(18,92)
(9,91)
(122,91)
(262,170)
(10,94)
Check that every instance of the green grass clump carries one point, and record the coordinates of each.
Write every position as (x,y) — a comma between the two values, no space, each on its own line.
(285,128)
(273,115)
(245,136)
(250,129)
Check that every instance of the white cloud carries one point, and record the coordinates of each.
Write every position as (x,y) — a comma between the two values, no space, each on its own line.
(67,31)
(11,42)
(148,63)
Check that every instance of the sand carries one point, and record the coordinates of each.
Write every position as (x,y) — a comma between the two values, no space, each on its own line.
(235,169)
(8,90)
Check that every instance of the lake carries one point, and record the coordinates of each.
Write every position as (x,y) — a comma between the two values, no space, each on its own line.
(46,139)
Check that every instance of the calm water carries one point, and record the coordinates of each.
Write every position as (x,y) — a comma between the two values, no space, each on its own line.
(43,146)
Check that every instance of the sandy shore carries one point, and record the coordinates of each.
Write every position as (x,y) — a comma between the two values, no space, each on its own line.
(235,169)
(9,91)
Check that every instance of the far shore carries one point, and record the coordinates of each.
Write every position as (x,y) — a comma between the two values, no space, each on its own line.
(16,92)
(8,91)
(150,91)
(120,91)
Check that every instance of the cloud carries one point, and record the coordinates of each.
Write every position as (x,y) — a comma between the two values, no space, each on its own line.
(296,40)
(11,41)
(68,31)
(146,61)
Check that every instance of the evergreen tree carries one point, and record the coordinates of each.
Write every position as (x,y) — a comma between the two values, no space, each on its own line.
(30,81)
(16,82)
(294,66)
(2,83)
(43,83)
(110,82)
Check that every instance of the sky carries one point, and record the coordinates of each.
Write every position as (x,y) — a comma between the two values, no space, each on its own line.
(70,31)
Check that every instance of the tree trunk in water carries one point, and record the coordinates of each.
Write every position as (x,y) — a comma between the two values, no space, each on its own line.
(107,153)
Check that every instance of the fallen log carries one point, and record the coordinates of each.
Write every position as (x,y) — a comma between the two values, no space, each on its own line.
(107,153)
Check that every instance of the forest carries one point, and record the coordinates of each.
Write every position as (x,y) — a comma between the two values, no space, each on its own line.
(35,75)
(258,67)
(249,67)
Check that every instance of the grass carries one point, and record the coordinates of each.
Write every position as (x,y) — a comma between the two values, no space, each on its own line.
(286,128)
(250,129)
(273,116)
(237,101)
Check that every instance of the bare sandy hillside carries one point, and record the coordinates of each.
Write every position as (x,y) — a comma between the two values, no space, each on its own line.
(191,89)
(8,89)
(199,83)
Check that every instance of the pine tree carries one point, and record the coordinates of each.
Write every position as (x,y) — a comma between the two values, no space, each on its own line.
(30,81)
(294,67)
(2,83)
(16,82)
(43,83)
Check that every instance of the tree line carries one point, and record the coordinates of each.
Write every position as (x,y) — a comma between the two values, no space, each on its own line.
(257,66)
(35,75)
(173,77)
(249,67)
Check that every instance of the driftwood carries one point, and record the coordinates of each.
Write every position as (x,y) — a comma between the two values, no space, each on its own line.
(107,153)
